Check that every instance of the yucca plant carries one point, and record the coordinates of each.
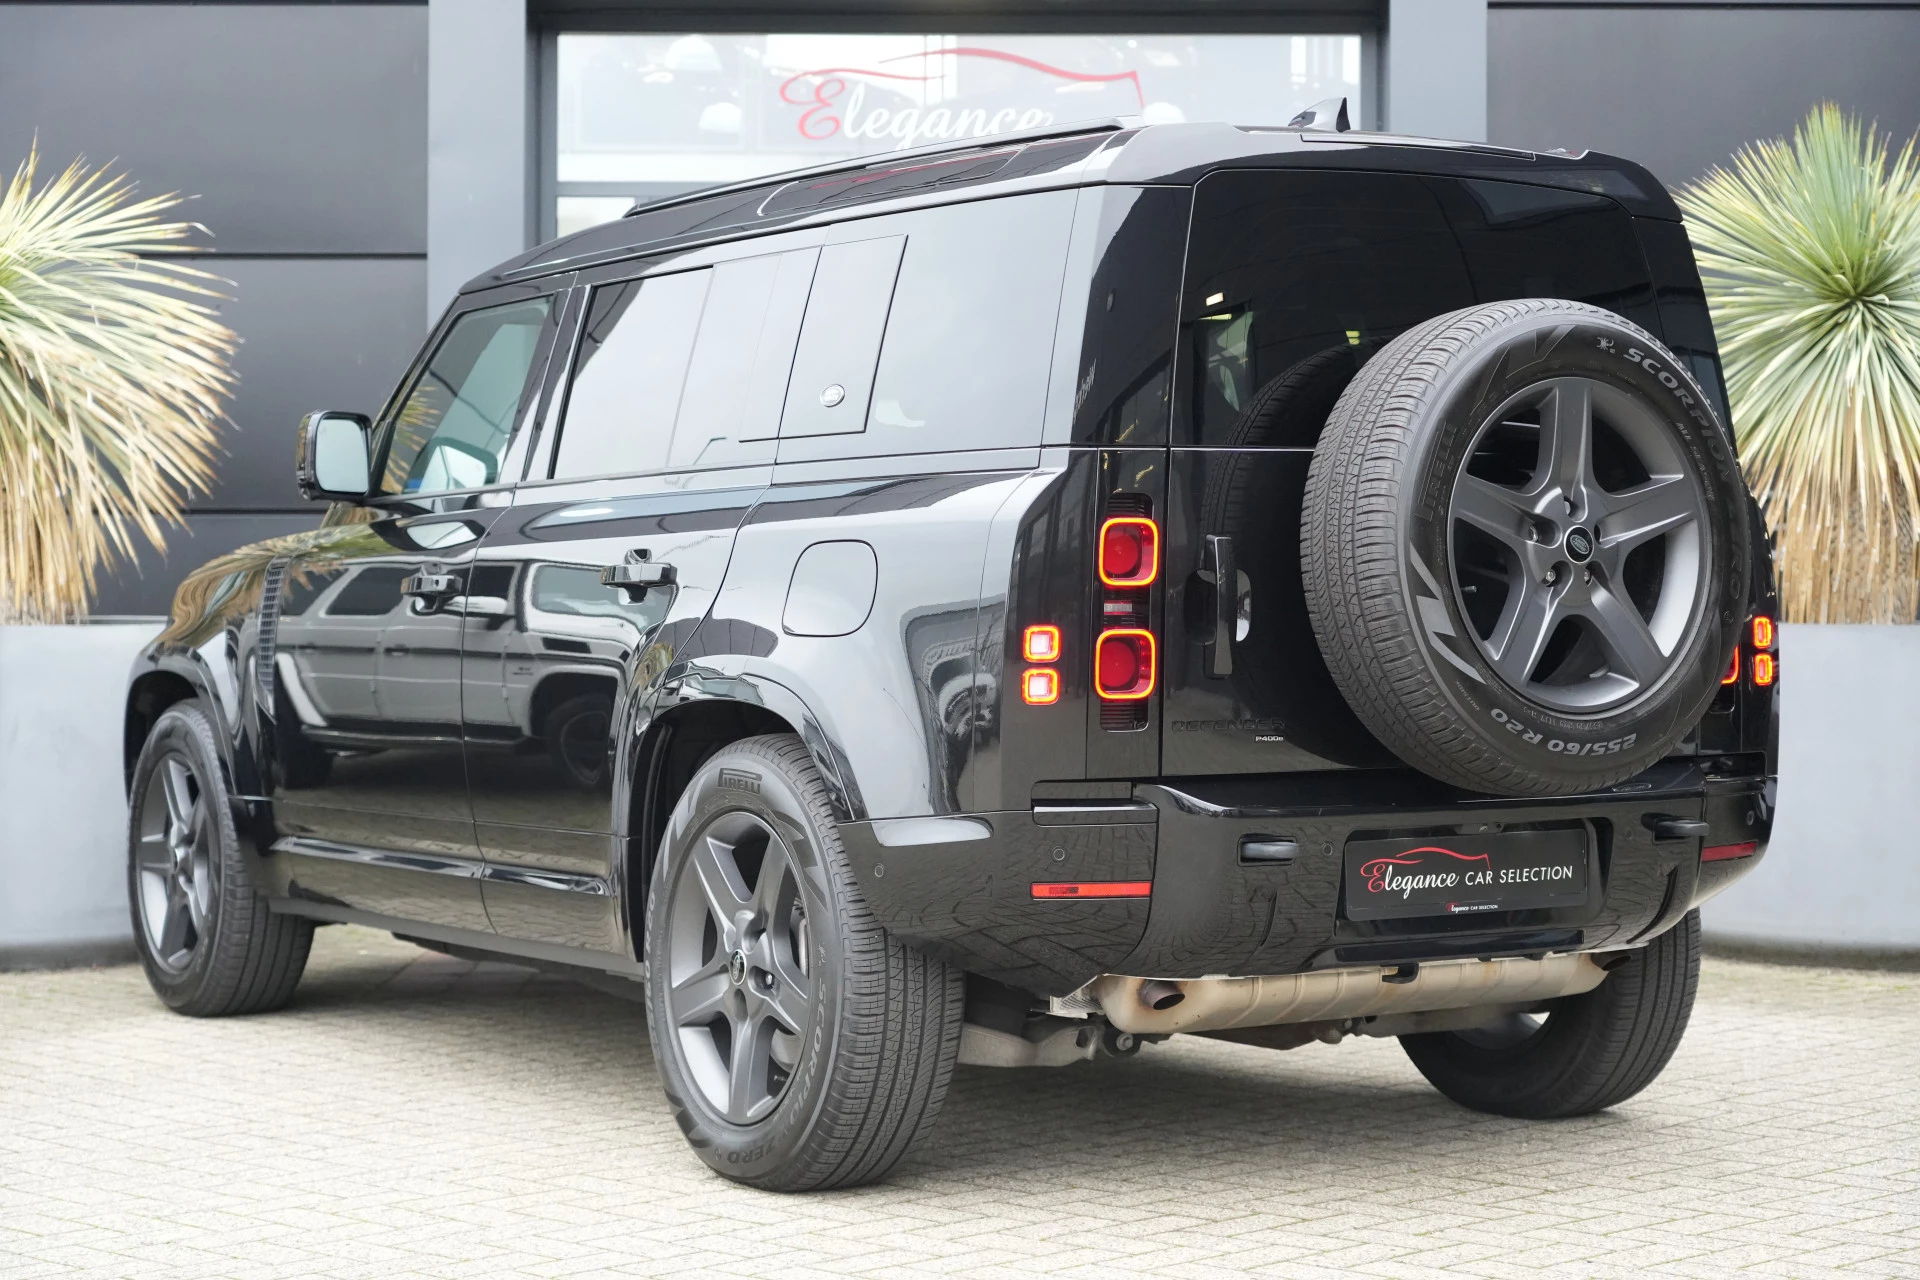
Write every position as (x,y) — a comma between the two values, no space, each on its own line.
(113,369)
(1810,250)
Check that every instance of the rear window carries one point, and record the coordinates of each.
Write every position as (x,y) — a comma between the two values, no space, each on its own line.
(1294,279)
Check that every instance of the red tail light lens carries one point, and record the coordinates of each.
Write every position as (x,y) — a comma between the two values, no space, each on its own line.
(1733,671)
(1040,686)
(1123,663)
(1766,669)
(1129,551)
(1763,632)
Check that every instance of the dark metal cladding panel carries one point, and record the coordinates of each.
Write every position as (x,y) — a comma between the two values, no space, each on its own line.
(972,903)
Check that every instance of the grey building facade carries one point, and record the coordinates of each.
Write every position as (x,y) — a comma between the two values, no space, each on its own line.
(354,163)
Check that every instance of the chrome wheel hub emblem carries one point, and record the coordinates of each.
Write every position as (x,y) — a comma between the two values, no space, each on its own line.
(1579,545)
(737,967)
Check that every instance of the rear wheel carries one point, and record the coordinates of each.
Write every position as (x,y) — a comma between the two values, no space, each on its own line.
(1588,1053)
(800,1046)
(208,942)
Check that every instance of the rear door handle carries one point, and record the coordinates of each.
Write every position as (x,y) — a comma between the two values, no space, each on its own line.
(636,574)
(1226,602)
(429,586)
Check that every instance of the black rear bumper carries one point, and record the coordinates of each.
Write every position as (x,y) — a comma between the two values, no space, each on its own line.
(962,888)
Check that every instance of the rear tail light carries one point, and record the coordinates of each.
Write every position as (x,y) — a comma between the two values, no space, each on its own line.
(1129,551)
(1766,669)
(1041,644)
(1040,686)
(1733,670)
(1123,663)
(1763,632)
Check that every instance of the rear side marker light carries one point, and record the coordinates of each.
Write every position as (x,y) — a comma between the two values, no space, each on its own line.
(1040,686)
(1766,668)
(1123,664)
(1733,671)
(1723,852)
(1041,644)
(1763,632)
(1129,551)
(1095,889)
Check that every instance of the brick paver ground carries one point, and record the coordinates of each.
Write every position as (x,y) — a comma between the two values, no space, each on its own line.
(413,1115)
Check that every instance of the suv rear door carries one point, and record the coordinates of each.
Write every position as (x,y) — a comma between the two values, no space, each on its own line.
(662,441)
(1294,278)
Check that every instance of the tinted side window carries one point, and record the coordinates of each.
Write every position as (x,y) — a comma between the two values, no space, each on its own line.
(846,314)
(968,337)
(685,371)
(629,373)
(372,592)
(459,414)
(1293,279)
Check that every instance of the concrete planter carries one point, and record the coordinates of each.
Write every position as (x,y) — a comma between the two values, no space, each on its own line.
(63,897)
(1841,877)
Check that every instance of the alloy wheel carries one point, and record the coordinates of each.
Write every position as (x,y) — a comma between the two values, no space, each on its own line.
(739,966)
(175,863)
(1577,530)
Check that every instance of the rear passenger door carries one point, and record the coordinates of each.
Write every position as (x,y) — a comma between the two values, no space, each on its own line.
(1294,279)
(663,440)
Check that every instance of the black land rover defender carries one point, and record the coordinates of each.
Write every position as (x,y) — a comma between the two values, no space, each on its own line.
(1009,603)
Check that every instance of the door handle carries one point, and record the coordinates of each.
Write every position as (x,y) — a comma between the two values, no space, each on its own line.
(1226,602)
(636,574)
(396,651)
(428,586)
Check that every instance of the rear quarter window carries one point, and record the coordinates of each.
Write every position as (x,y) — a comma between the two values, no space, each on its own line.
(964,359)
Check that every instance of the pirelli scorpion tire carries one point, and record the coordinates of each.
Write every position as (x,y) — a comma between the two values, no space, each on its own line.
(800,1046)
(1523,545)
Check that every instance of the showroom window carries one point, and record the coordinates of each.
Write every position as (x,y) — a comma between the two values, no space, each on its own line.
(646,116)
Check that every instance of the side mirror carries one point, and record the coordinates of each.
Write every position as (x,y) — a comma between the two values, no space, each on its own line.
(333,456)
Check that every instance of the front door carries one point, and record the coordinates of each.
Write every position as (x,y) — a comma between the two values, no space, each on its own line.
(376,816)
(664,442)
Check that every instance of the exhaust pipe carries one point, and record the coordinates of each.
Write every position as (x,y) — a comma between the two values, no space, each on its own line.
(1163,1006)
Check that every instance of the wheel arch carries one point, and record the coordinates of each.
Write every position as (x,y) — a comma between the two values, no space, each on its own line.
(672,745)
(150,694)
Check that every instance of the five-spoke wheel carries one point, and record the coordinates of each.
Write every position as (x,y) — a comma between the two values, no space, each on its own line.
(175,862)
(739,987)
(1577,547)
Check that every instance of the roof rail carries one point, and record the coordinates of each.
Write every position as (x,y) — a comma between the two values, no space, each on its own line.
(1105,124)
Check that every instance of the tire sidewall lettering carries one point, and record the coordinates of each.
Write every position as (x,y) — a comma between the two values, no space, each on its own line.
(1615,354)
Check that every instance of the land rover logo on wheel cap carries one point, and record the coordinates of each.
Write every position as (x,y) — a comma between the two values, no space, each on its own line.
(1579,545)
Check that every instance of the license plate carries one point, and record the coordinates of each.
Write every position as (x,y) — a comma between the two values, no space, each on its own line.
(1465,875)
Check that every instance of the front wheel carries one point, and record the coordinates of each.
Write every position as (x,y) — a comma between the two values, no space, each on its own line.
(1588,1053)
(799,1045)
(208,942)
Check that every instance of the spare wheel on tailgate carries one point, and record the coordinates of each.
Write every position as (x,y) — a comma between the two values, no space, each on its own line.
(1523,546)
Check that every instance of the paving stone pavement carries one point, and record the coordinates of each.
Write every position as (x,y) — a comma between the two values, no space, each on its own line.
(415,1115)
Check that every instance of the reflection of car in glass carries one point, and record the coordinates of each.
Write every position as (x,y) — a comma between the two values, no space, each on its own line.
(1008,604)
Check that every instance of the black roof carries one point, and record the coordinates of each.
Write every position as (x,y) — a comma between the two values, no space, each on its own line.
(1114,151)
